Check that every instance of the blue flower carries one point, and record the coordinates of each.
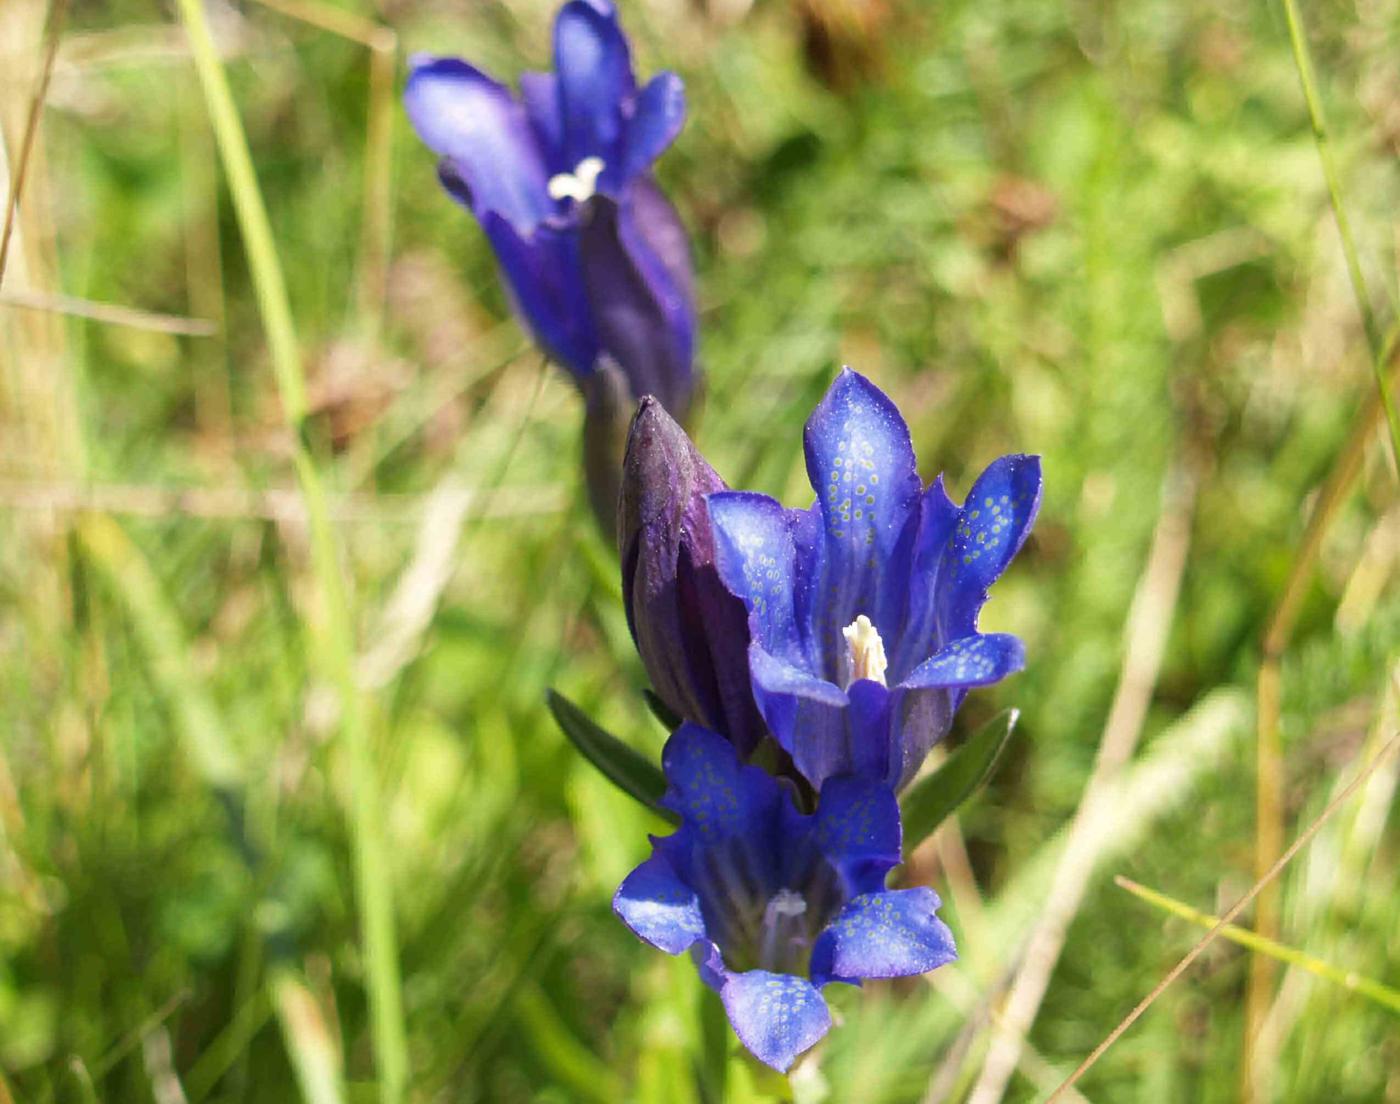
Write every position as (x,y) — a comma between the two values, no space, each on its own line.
(772,903)
(595,257)
(863,609)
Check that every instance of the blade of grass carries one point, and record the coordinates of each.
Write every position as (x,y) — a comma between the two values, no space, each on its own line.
(1347,979)
(315,1057)
(1302,59)
(163,640)
(573,1063)
(1268,799)
(373,878)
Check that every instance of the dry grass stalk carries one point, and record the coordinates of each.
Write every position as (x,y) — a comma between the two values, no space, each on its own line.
(1149,621)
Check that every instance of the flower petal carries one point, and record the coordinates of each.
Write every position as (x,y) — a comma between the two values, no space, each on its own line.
(465,116)
(539,92)
(977,660)
(861,464)
(893,933)
(807,715)
(544,274)
(594,67)
(858,830)
(756,559)
(717,796)
(919,638)
(657,118)
(919,719)
(995,520)
(776,1016)
(659,907)
(644,314)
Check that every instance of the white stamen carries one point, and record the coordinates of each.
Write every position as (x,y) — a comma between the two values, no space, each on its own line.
(865,650)
(784,903)
(578,185)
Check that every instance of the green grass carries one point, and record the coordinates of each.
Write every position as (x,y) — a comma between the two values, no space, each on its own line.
(1100,233)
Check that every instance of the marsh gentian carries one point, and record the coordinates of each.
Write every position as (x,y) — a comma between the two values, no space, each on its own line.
(692,633)
(774,904)
(863,609)
(594,255)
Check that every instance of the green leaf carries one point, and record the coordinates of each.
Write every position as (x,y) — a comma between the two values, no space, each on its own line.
(625,768)
(934,798)
(661,711)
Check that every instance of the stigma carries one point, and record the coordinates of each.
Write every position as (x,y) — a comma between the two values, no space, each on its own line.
(865,651)
(578,185)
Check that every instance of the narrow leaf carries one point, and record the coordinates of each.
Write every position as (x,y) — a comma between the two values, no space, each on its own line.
(934,798)
(661,711)
(625,768)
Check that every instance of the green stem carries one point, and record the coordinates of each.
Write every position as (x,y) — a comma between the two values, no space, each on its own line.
(372,879)
(1381,994)
(1308,79)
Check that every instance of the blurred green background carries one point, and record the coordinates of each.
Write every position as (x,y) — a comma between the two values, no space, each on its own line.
(1097,231)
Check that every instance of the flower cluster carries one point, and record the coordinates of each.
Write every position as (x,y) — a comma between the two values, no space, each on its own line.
(844,634)
(832,645)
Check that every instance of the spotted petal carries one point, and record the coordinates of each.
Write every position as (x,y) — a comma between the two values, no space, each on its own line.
(659,907)
(716,796)
(994,523)
(858,830)
(755,556)
(777,1016)
(861,464)
(893,933)
(977,660)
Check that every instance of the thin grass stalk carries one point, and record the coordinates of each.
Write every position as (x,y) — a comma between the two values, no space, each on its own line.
(1238,907)
(1302,59)
(52,30)
(1269,775)
(373,877)
(1347,979)
(1146,633)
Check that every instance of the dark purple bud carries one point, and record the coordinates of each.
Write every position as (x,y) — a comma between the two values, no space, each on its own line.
(692,633)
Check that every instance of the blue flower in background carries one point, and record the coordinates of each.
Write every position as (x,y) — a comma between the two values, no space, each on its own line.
(774,903)
(594,255)
(863,609)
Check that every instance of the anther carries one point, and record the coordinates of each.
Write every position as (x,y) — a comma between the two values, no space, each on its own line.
(865,651)
(578,185)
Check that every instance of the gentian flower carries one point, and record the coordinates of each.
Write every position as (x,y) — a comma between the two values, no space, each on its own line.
(593,254)
(772,903)
(863,609)
(691,632)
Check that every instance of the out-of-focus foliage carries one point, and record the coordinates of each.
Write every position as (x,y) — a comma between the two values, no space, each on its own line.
(1097,232)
